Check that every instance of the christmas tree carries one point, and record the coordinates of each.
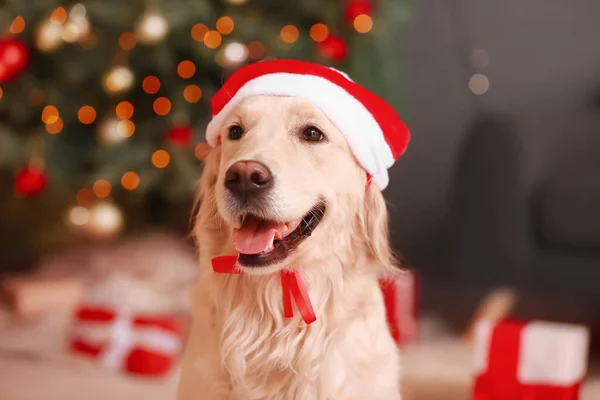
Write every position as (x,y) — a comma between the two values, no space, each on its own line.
(103,102)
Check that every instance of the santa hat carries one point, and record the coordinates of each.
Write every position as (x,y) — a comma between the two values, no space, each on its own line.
(374,131)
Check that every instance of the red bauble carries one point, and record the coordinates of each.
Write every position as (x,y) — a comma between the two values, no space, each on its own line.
(334,48)
(30,182)
(180,136)
(354,8)
(14,57)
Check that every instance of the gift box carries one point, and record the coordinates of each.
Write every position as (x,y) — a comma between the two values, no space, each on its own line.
(137,344)
(529,360)
(401,294)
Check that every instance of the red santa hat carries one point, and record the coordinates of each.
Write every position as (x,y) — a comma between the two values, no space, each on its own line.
(373,129)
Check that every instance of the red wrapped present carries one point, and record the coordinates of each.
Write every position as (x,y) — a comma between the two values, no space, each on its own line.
(142,345)
(529,360)
(401,294)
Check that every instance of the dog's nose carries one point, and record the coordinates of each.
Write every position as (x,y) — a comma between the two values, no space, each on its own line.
(245,178)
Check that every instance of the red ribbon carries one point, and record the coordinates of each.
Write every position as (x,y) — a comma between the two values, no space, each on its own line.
(501,382)
(292,286)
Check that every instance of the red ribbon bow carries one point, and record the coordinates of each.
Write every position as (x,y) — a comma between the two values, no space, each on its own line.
(292,285)
(500,381)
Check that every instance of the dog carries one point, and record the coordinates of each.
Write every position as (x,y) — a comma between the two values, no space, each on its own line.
(283,190)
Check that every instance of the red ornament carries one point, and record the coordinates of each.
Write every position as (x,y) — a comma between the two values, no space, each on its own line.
(30,182)
(14,57)
(180,135)
(354,8)
(334,48)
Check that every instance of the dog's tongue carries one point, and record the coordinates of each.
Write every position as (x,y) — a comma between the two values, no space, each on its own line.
(256,235)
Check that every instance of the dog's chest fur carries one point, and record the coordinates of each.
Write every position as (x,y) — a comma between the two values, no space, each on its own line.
(247,350)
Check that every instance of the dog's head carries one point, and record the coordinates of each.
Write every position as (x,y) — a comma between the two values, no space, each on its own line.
(285,185)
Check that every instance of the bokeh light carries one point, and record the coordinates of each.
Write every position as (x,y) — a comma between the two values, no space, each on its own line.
(256,50)
(319,32)
(161,158)
(86,115)
(363,23)
(85,197)
(479,84)
(127,41)
(225,25)
(79,216)
(186,69)
(162,106)
(151,84)
(55,127)
(130,180)
(119,79)
(192,93)
(102,188)
(50,115)
(289,34)
(198,32)
(212,39)
(58,16)
(18,25)
(126,128)
(124,110)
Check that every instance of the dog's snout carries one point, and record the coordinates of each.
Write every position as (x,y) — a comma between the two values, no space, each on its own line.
(246,178)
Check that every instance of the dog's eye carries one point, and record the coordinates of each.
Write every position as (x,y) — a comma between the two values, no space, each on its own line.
(312,134)
(235,132)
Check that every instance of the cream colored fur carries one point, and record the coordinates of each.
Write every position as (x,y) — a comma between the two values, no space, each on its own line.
(240,346)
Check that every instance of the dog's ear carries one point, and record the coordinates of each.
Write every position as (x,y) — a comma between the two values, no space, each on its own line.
(375,227)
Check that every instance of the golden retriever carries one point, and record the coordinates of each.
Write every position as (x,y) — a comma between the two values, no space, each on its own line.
(240,346)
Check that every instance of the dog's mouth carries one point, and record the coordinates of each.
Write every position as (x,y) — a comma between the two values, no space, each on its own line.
(261,242)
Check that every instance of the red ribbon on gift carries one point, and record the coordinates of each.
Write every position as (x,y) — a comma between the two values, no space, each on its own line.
(292,286)
(500,381)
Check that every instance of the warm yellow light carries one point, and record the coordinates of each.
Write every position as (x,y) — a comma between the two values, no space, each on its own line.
(225,25)
(256,50)
(124,110)
(212,39)
(55,127)
(198,32)
(186,69)
(85,197)
(363,23)
(151,84)
(192,93)
(160,158)
(79,215)
(319,32)
(58,16)
(162,106)
(50,115)
(125,128)
(86,115)
(119,79)
(18,25)
(127,41)
(289,34)
(102,188)
(130,180)
(479,84)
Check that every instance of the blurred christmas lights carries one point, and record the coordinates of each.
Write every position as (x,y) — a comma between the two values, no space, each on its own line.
(161,106)
(105,220)
(152,27)
(256,50)
(78,216)
(126,128)
(127,41)
(17,26)
(363,23)
(124,110)
(160,158)
(186,69)
(86,115)
(50,115)
(130,180)
(198,32)
(212,39)
(102,188)
(85,197)
(55,127)
(119,79)
(108,131)
(225,25)
(151,84)
(59,16)
(289,34)
(235,53)
(318,32)
(48,37)
(479,84)
(192,93)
